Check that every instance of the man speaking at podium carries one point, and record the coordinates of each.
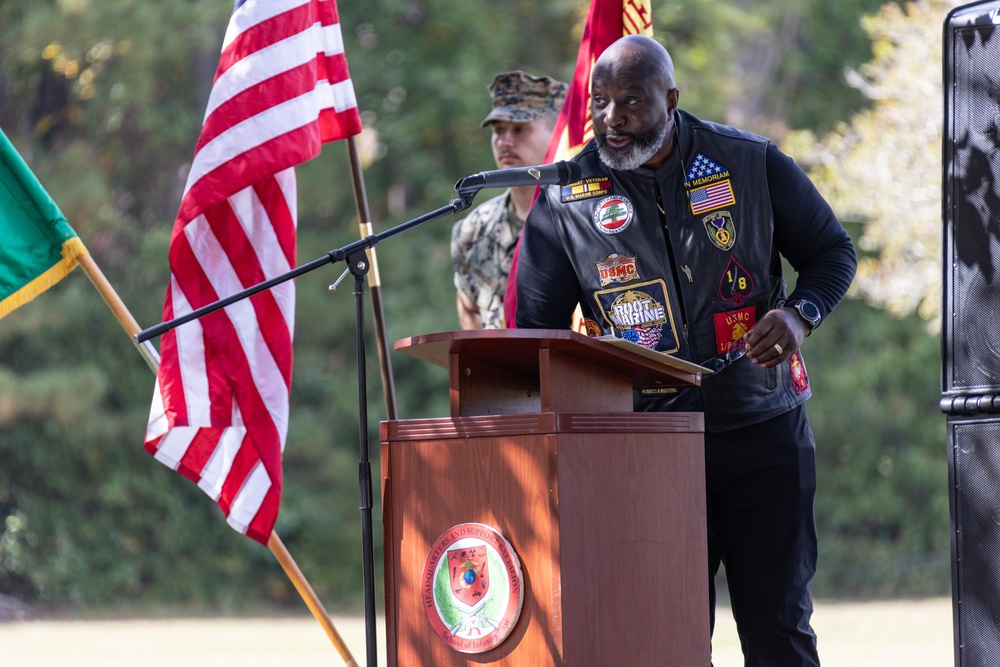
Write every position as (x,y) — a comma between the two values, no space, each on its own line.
(673,239)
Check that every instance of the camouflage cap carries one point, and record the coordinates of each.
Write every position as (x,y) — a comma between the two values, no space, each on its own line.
(522,98)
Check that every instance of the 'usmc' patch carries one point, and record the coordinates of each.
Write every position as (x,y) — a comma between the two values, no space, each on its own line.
(613,214)
(616,268)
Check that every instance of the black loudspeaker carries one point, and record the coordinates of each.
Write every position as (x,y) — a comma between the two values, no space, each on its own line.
(972,199)
(970,372)
(974,472)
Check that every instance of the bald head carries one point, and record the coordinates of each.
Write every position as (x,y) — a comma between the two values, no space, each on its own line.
(643,53)
(633,97)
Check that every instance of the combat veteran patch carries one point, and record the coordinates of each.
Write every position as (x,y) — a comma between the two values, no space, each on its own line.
(585,189)
(617,268)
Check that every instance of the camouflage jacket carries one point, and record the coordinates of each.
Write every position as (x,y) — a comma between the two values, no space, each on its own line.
(482,249)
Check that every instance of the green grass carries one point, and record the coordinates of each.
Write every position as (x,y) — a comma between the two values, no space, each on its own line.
(915,633)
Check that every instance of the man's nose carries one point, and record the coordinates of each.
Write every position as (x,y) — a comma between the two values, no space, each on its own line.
(611,115)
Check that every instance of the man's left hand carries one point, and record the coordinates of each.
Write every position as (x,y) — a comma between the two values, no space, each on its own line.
(776,337)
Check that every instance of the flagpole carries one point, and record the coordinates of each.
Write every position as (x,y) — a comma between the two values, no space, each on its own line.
(374,281)
(274,543)
(302,586)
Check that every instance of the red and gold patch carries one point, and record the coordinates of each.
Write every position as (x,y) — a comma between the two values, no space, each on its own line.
(617,268)
(731,326)
(800,378)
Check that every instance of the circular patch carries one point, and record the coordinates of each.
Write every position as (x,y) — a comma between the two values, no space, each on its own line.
(613,214)
(471,587)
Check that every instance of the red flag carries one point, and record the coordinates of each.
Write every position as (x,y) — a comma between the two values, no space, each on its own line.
(220,408)
(607,21)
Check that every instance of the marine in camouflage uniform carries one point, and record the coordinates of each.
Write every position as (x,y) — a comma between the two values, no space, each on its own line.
(482,245)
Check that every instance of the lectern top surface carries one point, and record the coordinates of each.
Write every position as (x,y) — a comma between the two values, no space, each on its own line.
(517,350)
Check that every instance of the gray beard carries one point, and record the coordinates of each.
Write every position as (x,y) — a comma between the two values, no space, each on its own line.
(636,154)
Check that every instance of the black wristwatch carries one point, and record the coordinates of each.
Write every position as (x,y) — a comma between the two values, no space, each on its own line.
(807,310)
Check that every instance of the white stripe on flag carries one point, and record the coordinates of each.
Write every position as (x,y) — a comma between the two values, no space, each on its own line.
(174,446)
(215,472)
(253,12)
(249,499)
(271,61)
(193,372)
(250,133)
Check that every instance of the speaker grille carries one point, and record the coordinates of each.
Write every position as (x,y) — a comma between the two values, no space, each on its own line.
(976,530)
(972,209)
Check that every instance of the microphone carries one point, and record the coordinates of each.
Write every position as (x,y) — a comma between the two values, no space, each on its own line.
(559,173)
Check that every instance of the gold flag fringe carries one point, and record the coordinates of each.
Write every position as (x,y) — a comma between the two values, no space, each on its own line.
(72,250)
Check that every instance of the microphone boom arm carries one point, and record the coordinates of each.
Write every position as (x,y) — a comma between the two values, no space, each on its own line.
(461,203)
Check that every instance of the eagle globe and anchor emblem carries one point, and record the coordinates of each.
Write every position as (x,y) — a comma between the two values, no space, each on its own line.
(472,587)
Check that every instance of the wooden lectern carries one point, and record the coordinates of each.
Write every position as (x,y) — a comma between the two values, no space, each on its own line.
(604,507)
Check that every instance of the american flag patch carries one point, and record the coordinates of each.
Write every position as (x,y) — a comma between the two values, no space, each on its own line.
(647,337)
(712,197)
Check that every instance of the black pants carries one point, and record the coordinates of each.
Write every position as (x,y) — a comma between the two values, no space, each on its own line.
(761,484)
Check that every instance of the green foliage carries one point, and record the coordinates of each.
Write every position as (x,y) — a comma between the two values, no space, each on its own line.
(767,66)
(104,100)
(882,502)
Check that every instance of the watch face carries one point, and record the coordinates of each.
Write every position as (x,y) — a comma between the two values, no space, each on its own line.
(809,310)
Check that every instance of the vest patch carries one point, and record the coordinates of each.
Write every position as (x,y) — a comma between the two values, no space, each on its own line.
(721,230)
(585,189)
(800,378)
(711,197)
(704,170)
(613,214)
(640,313)
(731,326)
(736,283)
(617,268)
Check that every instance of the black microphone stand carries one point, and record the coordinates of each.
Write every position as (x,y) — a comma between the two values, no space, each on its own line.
(357,264)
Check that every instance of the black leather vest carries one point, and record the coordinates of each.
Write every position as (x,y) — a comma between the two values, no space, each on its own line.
(681,259)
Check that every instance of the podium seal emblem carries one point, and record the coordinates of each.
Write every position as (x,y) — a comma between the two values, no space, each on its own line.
(471,587)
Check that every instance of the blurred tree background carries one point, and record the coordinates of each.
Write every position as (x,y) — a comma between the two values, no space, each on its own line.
(105,99)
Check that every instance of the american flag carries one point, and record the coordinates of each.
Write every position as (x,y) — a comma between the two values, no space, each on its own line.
(712,197)
(220,408)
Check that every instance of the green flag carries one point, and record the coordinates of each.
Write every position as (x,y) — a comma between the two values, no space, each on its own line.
(37,245)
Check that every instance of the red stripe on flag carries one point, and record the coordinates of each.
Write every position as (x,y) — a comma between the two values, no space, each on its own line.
(249,167)
(267,94)
(267,33)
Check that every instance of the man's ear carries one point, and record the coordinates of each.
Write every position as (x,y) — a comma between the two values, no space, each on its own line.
(672,96)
